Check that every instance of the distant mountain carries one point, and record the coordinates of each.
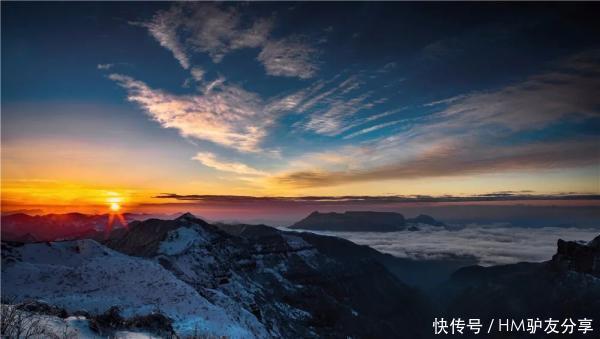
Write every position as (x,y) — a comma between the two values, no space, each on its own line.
(241,282)
(23,227)
(425,220)
(50,227)
(352,221)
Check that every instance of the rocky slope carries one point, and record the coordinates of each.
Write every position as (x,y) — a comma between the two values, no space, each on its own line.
(248,281)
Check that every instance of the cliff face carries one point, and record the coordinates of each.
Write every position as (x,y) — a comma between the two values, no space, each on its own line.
(578,257)
(353,222)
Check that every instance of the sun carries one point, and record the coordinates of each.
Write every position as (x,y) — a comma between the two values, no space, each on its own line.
(114,202)
(115,207)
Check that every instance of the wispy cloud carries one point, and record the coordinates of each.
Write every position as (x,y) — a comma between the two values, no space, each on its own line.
(332,105)
(372,128)
(447,158)
(467,135)
(224,114)
(197,73)
(163,27)
(289,57)
(105,66)
(217,30)
(210,160)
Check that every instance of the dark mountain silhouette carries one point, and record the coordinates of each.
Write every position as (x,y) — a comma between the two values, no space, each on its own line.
(51,227)
(352,221)
(356,221)
(568,286)
(425,219)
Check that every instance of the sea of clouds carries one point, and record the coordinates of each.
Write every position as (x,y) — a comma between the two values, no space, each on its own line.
(490,244)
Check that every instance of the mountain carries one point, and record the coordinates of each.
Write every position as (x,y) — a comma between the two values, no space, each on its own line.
(351,221)
(241,281)
(187,277)
(425,220)
(578,257)
(52,227)
(567,286)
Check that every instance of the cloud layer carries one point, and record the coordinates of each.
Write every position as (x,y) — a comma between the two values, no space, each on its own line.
(491,245)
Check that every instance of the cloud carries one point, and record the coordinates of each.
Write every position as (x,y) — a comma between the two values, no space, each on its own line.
(197,73)
(163,27)
(382,199)
(331,105)
(105,66)
(217,30)
(468,133)
(224,114)
(288,57)
(534,103)
(491,245)
(454,158)
(211,160)
(373,128)
(205,27)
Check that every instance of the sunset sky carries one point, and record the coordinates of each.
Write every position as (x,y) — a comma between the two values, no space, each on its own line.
(126,101)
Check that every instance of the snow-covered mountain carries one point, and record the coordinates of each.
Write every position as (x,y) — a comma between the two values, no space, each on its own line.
(186,277)
(241,282)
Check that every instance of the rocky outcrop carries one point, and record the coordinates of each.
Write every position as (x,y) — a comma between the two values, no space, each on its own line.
(565,287)
(578,257)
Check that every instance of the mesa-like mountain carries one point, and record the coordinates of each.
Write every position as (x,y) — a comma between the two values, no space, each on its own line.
(187,277)
(358,221)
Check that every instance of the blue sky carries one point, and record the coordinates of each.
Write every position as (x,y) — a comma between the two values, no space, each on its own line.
(301,98)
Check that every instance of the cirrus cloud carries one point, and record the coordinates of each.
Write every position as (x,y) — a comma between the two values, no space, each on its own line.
(211,160)
(188,28)
(226,115)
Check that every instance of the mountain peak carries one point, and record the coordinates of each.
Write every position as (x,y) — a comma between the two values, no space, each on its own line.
(187,217)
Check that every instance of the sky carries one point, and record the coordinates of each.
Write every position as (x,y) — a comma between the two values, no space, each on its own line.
(151,104)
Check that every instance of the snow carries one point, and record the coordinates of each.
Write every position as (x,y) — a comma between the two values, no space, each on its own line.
(179,240)
(84,275)
(78,327)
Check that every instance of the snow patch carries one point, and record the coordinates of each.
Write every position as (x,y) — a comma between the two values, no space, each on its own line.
(179,240)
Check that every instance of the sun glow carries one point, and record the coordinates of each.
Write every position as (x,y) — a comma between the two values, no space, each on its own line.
(115,207)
